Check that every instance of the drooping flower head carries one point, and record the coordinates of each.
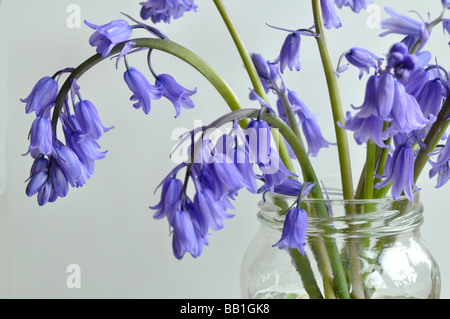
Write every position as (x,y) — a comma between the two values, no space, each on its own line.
(59,164)
(330,17)
(107,36)
(143,91)
(175,93)
(290,53)
(401,24)
(89,120)
(401,171)
(402,63)
(268,72)
(441,165)
(165,10)
(290,50)
(310,126)
(295,225)
(42,96)
(363,59)
(355,5)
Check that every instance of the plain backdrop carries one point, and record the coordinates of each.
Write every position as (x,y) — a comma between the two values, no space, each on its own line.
(106,227)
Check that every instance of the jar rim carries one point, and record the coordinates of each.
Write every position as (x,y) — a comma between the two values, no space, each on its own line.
(337,196)
(380,216)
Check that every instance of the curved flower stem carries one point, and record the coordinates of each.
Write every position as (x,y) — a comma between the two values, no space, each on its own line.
(336,104)
(254,77)
(163,45)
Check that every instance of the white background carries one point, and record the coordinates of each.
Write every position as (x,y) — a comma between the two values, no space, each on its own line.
(106,227)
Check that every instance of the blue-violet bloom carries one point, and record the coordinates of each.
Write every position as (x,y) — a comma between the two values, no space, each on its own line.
(401,24)
(107,36)
(41,137)
(143,91)
(330,17)
(355,5)
(89,120)
(164,10)
(175,93)
(363,59)
(42,96)
(294,230)
(401,171)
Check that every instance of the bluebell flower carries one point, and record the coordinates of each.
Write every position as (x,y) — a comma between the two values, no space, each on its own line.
(363,59)
(107,36)
(401,171)
(171,191)
(274,173)
(42,96)
(85,147)
(75,172)
(406,114)
(366,128)
(294,230)
(258,138)
(401,62)
(46,180)
(400,24)
(309,124)
(440,167)
(268,72)
(355,5)
(313,136)
(186,236)
(330,17)
(385,94)
(41,137)
(446,3)
(175,93)
(431,98)
(165,10)
(443,173)
(396,54)
(290,53)
(143,91)
(39,175)
(59,182)
(214,210)
(89,120)
(416,82)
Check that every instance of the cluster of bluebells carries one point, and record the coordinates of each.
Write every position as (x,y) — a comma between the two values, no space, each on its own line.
(402,101)
(60,163)
(218,172)
(404,96)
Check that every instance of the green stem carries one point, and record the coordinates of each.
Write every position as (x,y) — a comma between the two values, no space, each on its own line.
(370,170)
(336,104)
(302,263)
(248,63)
